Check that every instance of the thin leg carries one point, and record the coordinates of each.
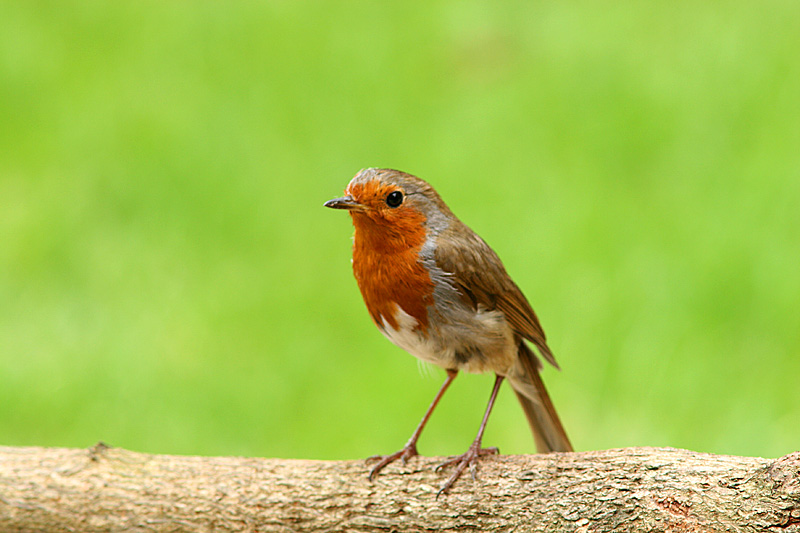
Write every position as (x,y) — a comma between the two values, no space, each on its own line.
(470,458)
(410,449)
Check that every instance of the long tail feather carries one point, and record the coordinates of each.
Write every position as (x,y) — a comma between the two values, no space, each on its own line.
(547,430)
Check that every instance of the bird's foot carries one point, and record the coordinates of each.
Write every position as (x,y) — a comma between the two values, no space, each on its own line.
(469,459)
(409,451)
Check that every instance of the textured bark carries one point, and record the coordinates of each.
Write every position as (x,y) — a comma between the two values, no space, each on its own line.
(633,489)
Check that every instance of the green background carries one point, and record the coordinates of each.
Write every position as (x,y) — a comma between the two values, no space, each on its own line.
(170,282)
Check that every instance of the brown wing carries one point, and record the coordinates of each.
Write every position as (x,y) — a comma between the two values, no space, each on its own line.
(480,276)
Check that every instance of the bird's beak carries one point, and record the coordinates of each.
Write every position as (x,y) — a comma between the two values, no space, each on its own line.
(345,202)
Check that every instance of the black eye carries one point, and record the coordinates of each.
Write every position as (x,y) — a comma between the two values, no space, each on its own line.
(394,199)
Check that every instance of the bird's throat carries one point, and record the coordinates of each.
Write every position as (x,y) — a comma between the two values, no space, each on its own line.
(387,267)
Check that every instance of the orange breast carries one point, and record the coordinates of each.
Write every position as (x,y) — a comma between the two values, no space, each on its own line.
(386,266)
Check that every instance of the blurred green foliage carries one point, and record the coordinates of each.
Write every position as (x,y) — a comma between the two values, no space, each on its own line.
(170,282)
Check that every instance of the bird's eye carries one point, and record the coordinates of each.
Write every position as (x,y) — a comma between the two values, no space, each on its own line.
(394,199)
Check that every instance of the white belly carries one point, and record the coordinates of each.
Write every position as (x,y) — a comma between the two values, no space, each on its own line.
(476,342)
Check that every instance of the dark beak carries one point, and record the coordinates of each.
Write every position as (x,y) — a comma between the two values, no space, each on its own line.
(345,202)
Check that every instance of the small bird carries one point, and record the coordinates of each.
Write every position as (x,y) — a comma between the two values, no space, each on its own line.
(434,288)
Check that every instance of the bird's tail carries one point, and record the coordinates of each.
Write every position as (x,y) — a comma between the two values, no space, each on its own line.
(524,378)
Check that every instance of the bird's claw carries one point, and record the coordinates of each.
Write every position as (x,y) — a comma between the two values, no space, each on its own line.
(409,451)
(469,459)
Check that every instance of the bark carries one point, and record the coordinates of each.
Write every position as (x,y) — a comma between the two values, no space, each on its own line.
(632,489)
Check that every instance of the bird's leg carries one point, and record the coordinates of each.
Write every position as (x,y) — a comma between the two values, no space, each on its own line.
(470,458)
(410,449)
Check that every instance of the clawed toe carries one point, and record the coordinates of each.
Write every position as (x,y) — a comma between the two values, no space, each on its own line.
(470,456)
(405,454)
(469,459)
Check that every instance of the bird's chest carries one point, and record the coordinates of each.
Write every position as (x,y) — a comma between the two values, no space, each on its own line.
(399,293)
(394,282)
(416,306)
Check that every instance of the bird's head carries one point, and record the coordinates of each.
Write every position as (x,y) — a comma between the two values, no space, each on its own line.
(392,209)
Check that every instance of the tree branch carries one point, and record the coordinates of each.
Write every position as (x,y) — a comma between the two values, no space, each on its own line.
(632,489)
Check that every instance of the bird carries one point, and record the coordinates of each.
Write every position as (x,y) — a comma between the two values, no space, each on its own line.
(434,288)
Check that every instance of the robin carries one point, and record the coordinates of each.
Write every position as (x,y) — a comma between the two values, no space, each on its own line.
(434,288)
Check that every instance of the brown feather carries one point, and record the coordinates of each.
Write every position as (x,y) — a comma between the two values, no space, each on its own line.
(481,277)
(545,425)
